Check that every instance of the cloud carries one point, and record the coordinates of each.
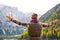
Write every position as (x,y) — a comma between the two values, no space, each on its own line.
(38,6)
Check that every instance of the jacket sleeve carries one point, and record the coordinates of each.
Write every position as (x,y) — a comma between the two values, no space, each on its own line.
(46,24)
(19,23)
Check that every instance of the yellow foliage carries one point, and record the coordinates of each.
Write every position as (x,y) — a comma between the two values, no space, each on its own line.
(57,29)
(49,20)
(49,33)
(58,34)
(23,34)
(43,33)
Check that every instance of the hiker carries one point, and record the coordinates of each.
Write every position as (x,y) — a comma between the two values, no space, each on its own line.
(34,29)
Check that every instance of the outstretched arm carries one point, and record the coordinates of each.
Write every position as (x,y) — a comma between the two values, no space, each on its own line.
(46,24)
(15,21)
(50,23)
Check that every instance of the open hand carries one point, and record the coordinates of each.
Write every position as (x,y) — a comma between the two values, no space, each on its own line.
(56,21)
(9,17)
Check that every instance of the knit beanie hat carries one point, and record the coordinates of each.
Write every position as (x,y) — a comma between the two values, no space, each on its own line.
(34,18)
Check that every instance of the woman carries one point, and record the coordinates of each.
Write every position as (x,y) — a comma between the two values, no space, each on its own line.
(34,29)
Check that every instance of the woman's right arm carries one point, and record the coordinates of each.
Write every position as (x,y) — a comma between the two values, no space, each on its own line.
(15,21)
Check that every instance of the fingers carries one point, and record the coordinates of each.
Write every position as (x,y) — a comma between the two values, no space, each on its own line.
(56,21)
(9,17)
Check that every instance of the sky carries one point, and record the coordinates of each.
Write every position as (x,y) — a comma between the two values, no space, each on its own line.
(26,6)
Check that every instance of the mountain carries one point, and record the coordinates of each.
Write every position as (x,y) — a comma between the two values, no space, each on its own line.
(7,27)
(52,32)
(52,14)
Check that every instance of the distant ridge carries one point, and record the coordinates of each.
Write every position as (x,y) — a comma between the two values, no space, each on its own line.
(54,11)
